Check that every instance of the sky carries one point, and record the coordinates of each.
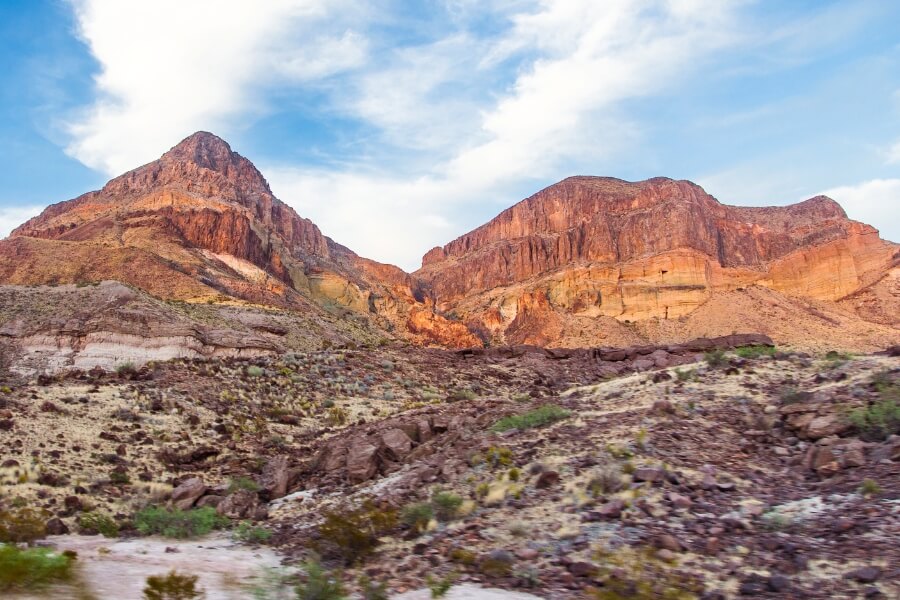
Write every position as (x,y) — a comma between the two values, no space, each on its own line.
(397,126)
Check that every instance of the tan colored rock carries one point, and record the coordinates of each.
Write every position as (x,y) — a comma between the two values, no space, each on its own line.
(362,463)
(185,495)
(825,426)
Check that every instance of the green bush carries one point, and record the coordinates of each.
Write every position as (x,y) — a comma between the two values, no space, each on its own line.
(98,523)
(715,358)
(319,584)
(549,413)
(254,371)
(174,523)
(445,505)
(24,525)
(350,535)
(755,351)
(417,516)
(172,587)
(372,590)
(251,534)
(242,483)
(878,421)
(32,567)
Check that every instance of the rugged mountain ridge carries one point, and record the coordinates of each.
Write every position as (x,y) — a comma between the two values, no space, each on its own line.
(656,249)
(589,261)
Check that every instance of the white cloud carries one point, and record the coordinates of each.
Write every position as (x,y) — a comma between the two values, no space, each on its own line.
(169,67)
(580,60)
(13,216)
(876,202)
(893,154)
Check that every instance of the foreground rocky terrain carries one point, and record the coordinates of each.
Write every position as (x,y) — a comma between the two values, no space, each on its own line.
(717,469)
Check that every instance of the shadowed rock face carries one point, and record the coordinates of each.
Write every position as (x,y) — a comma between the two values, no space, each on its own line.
(657,248)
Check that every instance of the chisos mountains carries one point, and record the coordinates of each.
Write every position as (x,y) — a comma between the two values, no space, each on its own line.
(197,257)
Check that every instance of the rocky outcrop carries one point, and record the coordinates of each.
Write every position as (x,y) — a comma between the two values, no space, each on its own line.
(600,247)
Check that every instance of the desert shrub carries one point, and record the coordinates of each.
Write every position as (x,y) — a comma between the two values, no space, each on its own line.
(23,525)
(93,522)
(251,534)
(320,584)
(498,456)
(514,474)
(417,516)
(715,358)
(440,587)
(877,421)
(606,480)
(125,369)
(791,395)
(242,483)
(254,371)
(372,590)
(869,487)
(173,586)
(755,351)
(463,556)
(445,505)
(459,394)
(544,415)
(119,478)
(637,574)
(350,535)
(683,376)
(337,416)
(175,523)
(31,567)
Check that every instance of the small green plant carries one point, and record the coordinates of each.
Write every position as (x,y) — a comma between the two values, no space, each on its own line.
(755,351)
(179,524)
(351,535)
(776,521)
(685,375)
(417,516)
(337,416)
(172,586)
(319,583)
(93,522)
(459,394)
(544,415)
(372,590)
(32,567)
(440,587)
(463,556)
(481,490)
(641,438)
(877,421)
(445,505)
(715,358)
(119,478)
(606,480)
(869,487)
(242,483)
(251,534)
(514,474)
(125,368)
(22,526)
(498,456)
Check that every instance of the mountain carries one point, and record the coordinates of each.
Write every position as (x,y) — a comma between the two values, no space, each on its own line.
(214,264)
(592,251)
(201,225)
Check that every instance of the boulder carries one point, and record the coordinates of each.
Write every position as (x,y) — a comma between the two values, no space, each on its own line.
(396,443)
(826,425)
(362,461)
(184,496)
(239,505)
(274,478)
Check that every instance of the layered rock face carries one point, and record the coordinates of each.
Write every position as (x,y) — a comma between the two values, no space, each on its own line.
(602,247)
(201,224)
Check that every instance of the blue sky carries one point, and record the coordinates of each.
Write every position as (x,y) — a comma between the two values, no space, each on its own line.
(397,126)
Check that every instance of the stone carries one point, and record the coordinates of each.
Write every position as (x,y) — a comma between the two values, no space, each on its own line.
(582,569)
(241,504)
(274,477)
(865,574)
(212,500)
(362,462)
(55,526)
(546,479)
(649,474)
(612,509)
(396,443)
(778,583)
(184,496)
(825,426)
(668,542)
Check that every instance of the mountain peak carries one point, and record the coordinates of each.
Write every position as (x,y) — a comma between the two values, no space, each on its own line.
(204,149)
